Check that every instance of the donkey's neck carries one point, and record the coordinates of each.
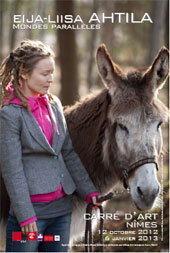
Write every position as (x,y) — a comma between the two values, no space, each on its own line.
(87,121)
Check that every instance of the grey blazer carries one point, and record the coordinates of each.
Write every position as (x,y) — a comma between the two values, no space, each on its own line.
(29,165)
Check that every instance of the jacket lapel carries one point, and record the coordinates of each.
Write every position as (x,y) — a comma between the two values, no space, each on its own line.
(57,139)
(36,131)
(53,117)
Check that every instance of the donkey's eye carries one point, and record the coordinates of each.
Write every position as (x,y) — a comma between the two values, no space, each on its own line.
(124,128)
(160,123)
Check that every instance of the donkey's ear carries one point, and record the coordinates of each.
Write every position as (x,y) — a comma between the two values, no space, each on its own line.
(159,70)
(110,72)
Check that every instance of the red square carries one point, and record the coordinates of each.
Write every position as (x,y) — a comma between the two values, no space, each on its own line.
(48,238)
(16,236)
(32,236)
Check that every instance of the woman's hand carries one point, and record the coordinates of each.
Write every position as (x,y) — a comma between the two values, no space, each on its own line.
(31,227)
(95,203)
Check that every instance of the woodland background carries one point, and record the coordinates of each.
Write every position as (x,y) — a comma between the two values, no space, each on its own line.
(76,73)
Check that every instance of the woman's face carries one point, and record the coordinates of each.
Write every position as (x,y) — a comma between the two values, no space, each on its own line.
(41,78)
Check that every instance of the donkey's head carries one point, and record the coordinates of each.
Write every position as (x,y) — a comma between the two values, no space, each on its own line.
(133,135)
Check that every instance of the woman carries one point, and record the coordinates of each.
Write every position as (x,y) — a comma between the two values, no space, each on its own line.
(38,164)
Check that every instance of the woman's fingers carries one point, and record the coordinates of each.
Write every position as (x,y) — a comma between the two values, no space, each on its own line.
(27,229)
(95,203)
(32,227)
(23,230)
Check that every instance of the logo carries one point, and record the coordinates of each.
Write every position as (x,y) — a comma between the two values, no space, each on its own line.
(16,236)
(48,238)
(32,236)
(57,238)
(40,237)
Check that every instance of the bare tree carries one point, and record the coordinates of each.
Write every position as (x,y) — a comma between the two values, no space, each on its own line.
(107,33)
(92,47)
(16,5)
(167,25)
(1,29)
(158,27)
(67,56)
(1,40)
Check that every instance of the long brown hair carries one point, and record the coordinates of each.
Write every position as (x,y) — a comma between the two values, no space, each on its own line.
(21,60)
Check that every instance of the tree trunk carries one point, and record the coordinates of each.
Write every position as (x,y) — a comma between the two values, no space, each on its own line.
(107,33)
(167,25)
(1,41)
(16,6)
(158,28)
(92,46)
(1,30)
(67,56)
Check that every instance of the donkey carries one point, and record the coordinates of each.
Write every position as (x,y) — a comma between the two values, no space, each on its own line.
(117,131)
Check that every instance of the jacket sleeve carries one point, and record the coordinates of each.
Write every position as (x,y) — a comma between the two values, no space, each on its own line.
(84,185)
(11,163)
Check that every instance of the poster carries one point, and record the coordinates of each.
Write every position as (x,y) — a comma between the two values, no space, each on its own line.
(133,32)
